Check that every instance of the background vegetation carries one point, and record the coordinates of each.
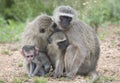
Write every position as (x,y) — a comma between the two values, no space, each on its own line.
(15,13)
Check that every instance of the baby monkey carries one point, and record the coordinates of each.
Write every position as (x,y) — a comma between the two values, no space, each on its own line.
(37,61)
(57,44)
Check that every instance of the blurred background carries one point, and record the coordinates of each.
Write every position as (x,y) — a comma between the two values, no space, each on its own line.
(15,13)
(102,15)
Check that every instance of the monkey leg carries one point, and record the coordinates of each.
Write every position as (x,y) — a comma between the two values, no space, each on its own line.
(42,71)
(47,67)
(59,67)
(32,68)
(73,60)
(36,69)
(26,66)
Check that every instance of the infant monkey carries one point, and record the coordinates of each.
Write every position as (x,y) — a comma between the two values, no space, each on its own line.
(37,61)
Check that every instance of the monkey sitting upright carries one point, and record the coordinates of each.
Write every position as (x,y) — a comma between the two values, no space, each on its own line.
(82,54)
(37,61)
(57,44)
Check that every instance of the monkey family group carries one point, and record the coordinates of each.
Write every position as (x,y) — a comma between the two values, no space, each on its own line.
(61,43)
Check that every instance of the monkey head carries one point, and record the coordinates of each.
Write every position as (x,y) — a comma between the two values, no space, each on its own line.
(41,25)
(29,52)
(58,40)
(37,30)
(63,16)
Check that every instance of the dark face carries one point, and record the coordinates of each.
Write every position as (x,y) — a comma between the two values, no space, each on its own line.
(63,44)
(42,30)
(65,21)
(54,27)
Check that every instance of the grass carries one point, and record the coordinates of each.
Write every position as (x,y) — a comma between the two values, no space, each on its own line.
(20,65)
(17,81)
(104,79)
(6,52)
(11,32)
(40,80)
(1,81)
(102,35)
(63,79)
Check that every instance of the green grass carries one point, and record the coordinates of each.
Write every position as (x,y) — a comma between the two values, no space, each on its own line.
(1,81)
(104,79)
(16,81)
(102,35)
(63,79)
(40,80)
(20,65)
(6,52)
(11,32)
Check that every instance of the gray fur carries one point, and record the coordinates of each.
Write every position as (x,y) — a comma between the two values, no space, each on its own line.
(32,36)
(56,54)
(83,52)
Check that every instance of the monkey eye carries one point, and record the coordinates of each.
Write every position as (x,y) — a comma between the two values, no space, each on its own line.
(42,30)
(27,56)
(31,55)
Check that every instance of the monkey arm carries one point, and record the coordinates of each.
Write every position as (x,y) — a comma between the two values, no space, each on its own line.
(59,65)
(73,60)
(32,68)
(38,66)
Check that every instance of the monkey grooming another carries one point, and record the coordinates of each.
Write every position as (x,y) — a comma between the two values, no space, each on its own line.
(57,44)
(37,61)
(36,33)
(82,54)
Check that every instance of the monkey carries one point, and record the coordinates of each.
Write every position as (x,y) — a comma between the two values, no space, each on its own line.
(83,53)
(57,44)
(36,33)
(37,61)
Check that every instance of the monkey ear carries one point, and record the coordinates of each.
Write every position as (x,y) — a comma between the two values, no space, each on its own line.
(21,51)
(36,50)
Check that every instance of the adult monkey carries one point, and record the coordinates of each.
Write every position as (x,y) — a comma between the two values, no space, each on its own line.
(36,33)
(83,52)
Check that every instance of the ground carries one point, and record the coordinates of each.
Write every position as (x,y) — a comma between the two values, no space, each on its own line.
(108,64)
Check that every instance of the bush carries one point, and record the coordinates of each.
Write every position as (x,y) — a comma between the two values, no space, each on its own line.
(11,32)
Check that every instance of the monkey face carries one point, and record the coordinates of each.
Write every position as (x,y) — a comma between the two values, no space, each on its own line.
(29,52)
(29,55)
(63,44)
(65,22)
(58,40)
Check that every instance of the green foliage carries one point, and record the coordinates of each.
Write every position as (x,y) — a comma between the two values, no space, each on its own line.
(21,10)
(14,12)
(96,12)
(10,32)
(40,80)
